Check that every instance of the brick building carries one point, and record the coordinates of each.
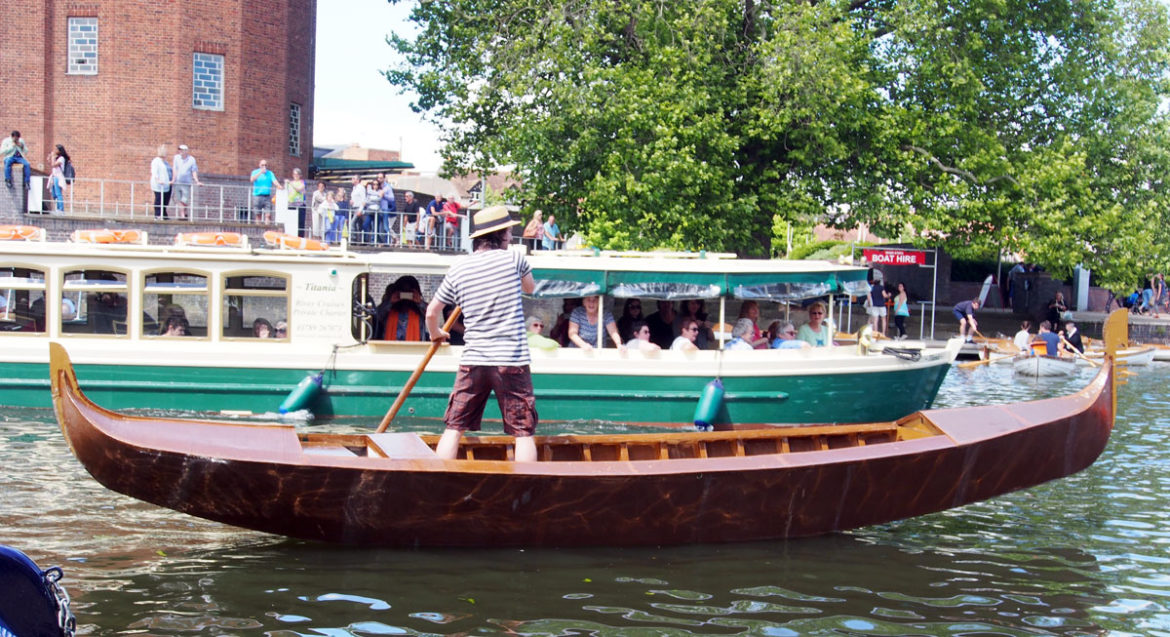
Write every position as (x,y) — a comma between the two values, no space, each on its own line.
(113,79)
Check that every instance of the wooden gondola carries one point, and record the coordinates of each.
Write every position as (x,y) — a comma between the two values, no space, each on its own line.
(635,489)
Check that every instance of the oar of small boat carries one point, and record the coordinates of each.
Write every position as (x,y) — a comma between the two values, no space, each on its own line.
(417,373)
(982,361)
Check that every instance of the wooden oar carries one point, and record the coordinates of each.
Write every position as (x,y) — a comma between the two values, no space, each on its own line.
(417,373)
(983,361)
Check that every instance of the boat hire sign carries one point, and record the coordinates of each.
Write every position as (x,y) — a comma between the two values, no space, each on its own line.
(884,256)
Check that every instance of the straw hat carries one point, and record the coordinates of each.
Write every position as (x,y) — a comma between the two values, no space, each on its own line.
(489,220)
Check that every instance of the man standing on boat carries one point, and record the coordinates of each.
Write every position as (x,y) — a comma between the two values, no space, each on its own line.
(487,285)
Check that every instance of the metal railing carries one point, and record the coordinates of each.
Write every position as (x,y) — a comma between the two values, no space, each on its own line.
(214,203)
(398,229)
(131,200)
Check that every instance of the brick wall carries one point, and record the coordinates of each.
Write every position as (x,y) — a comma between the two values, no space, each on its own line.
(112,122)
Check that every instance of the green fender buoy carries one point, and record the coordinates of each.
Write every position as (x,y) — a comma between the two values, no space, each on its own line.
(300,396)
(710,400)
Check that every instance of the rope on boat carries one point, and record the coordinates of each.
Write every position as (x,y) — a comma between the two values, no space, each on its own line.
(903,353)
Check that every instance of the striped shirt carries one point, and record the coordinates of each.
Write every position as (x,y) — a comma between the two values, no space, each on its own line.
(486,285)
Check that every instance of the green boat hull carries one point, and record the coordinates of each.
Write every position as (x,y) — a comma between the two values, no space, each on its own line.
(822,398)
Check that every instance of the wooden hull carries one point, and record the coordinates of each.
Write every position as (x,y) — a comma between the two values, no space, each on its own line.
(390,489)
(1044,366)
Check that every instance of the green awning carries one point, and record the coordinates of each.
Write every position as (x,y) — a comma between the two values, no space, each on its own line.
(676,279)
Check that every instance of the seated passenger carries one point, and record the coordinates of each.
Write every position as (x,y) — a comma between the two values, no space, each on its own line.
(740,335)
(583,325)
(536,340)
(261,328)
(662,324)
(640,338)
(109,309)
(751,310)
(404,320)
(783,336)
(68,309)
(631,311)
(693,309)
(818,332)
(560,329)
(1023,337)
(176,326)
(1047,342)
(688,338)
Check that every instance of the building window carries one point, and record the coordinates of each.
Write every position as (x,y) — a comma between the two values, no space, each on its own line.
(83,46)
(294,130)
(207,82)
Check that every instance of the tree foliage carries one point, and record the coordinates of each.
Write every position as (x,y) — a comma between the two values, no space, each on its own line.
(1028,126)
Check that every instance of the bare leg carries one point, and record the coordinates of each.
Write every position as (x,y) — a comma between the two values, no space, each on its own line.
(448,447)
(525,449)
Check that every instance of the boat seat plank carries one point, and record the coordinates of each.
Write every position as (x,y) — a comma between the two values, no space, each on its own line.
(329,451)
(399,445)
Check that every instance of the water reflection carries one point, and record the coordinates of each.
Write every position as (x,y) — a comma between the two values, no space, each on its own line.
(1083,555)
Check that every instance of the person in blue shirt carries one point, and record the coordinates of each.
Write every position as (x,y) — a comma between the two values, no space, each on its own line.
(964,313)
(263,184)
(1051,339)
(552,234)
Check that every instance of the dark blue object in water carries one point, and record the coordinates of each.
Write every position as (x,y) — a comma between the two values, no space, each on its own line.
(302,394)
(31,602)
(709,403)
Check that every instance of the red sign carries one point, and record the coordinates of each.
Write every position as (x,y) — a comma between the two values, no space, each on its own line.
(878,256)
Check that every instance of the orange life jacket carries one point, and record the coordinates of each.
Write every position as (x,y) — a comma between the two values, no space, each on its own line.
(413,326)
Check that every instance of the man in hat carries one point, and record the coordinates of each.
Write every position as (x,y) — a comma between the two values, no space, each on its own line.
(184,171)
(486,285)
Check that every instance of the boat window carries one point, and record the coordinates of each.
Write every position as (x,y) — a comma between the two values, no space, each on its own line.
(179,300)
(256,306)
(785,292)
(22,300)
(101,300)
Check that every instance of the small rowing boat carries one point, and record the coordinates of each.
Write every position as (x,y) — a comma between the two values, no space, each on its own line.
(631,489)
(1044,366)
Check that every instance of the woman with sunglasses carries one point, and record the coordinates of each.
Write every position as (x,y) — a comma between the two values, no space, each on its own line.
(640,338)
(536,340)
(688,336)
(783,336)
(818,332)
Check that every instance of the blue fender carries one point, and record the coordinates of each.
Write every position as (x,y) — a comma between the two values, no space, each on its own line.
(28,605)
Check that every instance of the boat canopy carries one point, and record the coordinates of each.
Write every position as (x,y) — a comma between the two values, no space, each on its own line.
(700,277)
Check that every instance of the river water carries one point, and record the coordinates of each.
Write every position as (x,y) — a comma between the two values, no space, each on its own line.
(1087,555)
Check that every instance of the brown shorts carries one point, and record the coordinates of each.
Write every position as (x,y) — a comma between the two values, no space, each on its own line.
(513,387)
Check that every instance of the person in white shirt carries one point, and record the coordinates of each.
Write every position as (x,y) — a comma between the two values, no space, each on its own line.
(1023,337)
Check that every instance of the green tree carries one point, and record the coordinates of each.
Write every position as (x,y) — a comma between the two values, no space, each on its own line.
(1030,126)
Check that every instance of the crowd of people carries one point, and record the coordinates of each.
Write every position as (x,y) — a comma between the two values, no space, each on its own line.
(685,327)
